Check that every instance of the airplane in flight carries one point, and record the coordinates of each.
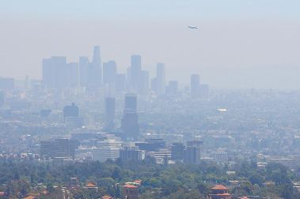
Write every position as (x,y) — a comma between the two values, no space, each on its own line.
(193,27)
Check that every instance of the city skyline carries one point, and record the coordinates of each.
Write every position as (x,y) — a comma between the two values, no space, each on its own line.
(150,99)
(93,75)
(259,40)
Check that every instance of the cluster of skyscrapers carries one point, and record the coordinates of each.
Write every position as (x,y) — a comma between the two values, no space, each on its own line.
(95,75)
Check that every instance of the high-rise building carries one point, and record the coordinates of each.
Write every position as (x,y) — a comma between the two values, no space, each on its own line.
(55,72)
(71,111)
(95,69)
(109,73)
(129,124)
(110,109)
(158,83)
(177,151)
(83,71)
(191,155)
(130,103)
(72,75)
(135,72)
(195,85)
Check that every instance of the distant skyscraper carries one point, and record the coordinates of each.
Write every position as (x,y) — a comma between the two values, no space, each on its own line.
(55,72)
(192,152)
(83,71)
(130,103)
(71,111)
(135,72)
(95,69)
(109,73)
(177,151)
(129,123)
(195,85)
(110,109)
(72,75)
(191,155)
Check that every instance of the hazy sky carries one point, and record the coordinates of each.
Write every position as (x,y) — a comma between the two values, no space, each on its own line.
(240,44)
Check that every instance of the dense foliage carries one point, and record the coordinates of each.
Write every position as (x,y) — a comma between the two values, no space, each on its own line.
(18,178)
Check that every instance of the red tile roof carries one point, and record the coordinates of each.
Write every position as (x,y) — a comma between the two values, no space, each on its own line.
(90,185)
(129,186)
(219,187)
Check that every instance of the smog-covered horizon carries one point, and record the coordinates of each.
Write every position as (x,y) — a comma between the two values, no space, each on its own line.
(254,46)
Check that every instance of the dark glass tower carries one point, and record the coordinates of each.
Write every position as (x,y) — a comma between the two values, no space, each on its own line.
(129,124)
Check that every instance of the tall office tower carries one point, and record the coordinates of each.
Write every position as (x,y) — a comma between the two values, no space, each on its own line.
(72,75)
(95,69)
(191,155)
(172,88)
(121,83)
(83,71)
(110,110)
(160,79)
(192,152)
(54,72)
(129,124)
(177,151)
(71,111)
(144,84)
(135,72)
(195,85)
(130,103)
(110,73)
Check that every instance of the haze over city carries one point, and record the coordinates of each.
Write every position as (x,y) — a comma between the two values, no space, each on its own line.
(251,44)
(140,99)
